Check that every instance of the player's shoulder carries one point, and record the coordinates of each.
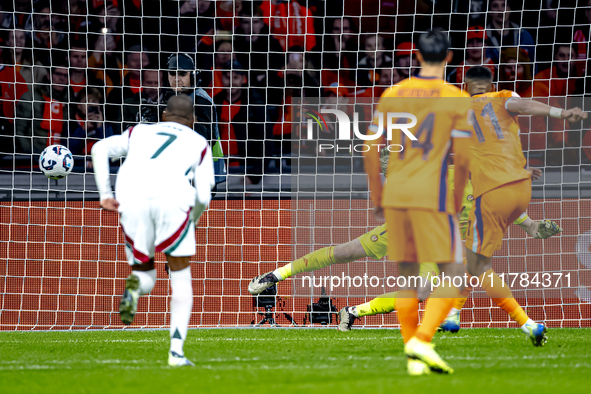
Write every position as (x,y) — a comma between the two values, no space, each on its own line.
(187,134)
(509,93)
(134,130)
(409,87)
(449,90)
(179,128)
(135,127)
(392,91)
(501,93)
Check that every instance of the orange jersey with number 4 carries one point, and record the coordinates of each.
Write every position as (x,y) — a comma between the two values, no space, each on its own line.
(497,157)
(417,176)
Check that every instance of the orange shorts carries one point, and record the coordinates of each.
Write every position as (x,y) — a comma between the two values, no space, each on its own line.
(492,213)
(419,235)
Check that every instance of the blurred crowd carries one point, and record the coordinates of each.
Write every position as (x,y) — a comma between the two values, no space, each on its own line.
(76,71)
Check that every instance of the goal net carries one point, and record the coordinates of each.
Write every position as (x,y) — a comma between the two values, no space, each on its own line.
(75,72)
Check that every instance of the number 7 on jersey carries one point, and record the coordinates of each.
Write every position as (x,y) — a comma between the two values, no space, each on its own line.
(171,138)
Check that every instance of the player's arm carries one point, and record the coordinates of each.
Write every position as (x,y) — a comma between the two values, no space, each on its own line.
(372,164)
(113,147)
(204,181)
(535,108)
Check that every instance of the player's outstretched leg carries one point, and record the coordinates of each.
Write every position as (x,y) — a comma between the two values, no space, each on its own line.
(385,303)
(311,262)
(500,293)
(541,230)
(372,244)
(139,282)
(419,347)
(181,304)
(129,300)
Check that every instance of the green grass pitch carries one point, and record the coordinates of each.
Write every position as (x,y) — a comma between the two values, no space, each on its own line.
(290,361)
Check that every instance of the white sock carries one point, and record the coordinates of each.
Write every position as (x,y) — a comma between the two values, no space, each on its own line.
(147,280)
(527,323)
(452,312)
(181,304)
(277,275)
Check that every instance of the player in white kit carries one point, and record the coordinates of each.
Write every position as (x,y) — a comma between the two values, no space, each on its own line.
(162,189)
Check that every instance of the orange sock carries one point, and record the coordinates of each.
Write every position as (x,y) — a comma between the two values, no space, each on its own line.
(459,302)
(438,306)
(502,296)
(407,306)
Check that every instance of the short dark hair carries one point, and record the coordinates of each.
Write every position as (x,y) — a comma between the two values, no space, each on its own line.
(479,73)
(564,44)
(235,66)
(56,67)
(508,3)
(433,45)
(331,20)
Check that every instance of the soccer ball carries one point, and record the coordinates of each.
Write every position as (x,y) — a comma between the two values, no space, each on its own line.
(56,161)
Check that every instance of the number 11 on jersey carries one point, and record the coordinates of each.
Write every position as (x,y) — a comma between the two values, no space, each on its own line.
(489,111)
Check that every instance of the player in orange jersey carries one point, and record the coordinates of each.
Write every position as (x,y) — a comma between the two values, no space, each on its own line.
(416,198)
(502,185)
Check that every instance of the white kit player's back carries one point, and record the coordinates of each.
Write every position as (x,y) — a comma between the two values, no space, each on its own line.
(162,189)
(160,162)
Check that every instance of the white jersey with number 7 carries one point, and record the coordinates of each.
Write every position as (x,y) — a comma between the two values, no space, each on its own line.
(166,160)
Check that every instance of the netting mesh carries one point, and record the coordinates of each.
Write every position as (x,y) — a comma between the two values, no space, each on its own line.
(74,72)
(65,264)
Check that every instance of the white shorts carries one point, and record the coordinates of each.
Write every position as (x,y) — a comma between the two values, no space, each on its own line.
(157,225)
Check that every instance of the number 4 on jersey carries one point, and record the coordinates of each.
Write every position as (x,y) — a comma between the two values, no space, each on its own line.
(426,127)
(171,137)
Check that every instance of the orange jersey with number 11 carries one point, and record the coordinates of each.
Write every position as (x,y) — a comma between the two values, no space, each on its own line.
(497,157)
(417,176)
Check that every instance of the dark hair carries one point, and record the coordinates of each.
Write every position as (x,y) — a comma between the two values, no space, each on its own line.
(479,73)
(56,67)
(433,45)
(563,44)
(155,70)
(40,4)
(134,49)
(250,10)
(235,66)
(76,40)
(521,57)
(514,5)
(329,23)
